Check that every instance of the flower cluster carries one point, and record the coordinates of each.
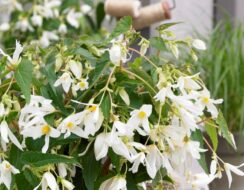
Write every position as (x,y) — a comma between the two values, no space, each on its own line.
(94,112)
(44,21)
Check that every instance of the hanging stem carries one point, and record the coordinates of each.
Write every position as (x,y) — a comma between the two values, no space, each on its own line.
(146,58)
(141,79)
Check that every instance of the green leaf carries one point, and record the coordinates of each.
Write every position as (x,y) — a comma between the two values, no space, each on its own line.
(106,106)
(197,136)
(123,25)
(38,159)
(212,133)
(86,54)
(158,43)
(23,76)
(115,159)
(91,169)
(166,26)
(100,14)
(223,127)
(99,70)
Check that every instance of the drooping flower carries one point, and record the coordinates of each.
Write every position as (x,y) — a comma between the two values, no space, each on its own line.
(73,18)
(47,37)
(114,183)
(199,44)
(24,25)
(7,134)
(105,140)
(15,60)
(6,171)
(76,68)
(37,20)
(93,118)
(67,184)
(65,80)
(231,168)
(48,181)
(139,118)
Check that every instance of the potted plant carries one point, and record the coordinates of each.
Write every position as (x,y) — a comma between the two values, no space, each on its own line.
(80,114)
(222,69)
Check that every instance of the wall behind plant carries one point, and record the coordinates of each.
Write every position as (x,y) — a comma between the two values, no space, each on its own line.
(195,15)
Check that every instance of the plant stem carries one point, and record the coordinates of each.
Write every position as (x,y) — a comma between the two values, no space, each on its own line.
(146,58)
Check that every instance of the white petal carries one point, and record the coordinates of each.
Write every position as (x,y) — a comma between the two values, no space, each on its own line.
(199,44)
(67,184)
(51,181)
(147,108)
(76,68)
(46,145)
(54,133)
(4,131)
(62,171)
(17,52)
(14,139)
(100,146)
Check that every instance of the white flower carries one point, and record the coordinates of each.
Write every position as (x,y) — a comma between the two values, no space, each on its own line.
(39,131)
(72,124)
(92,120)
(36,20)
(82,85)
(32,114)
(67,184)
(140,118)
(85,9)
(7,134)
(192,147)
(48,180)
(62,170)
(117,54)
(105,140)
(24,25)
(199,44)
(188,83)
(47,37)
(76,68)
(209,103)
(114,183)
(153,160)
(163,93)
(202,180)
(65,80)
(73,18)
(231,168)
(62,29)
(15,60)
(6,171)
(3,112)
(4,27)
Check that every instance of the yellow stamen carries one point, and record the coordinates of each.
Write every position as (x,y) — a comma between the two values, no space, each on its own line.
(142,114)
(46,129)
(92,108)
(7,166)
(70,125)
(82,84)
(205,100)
